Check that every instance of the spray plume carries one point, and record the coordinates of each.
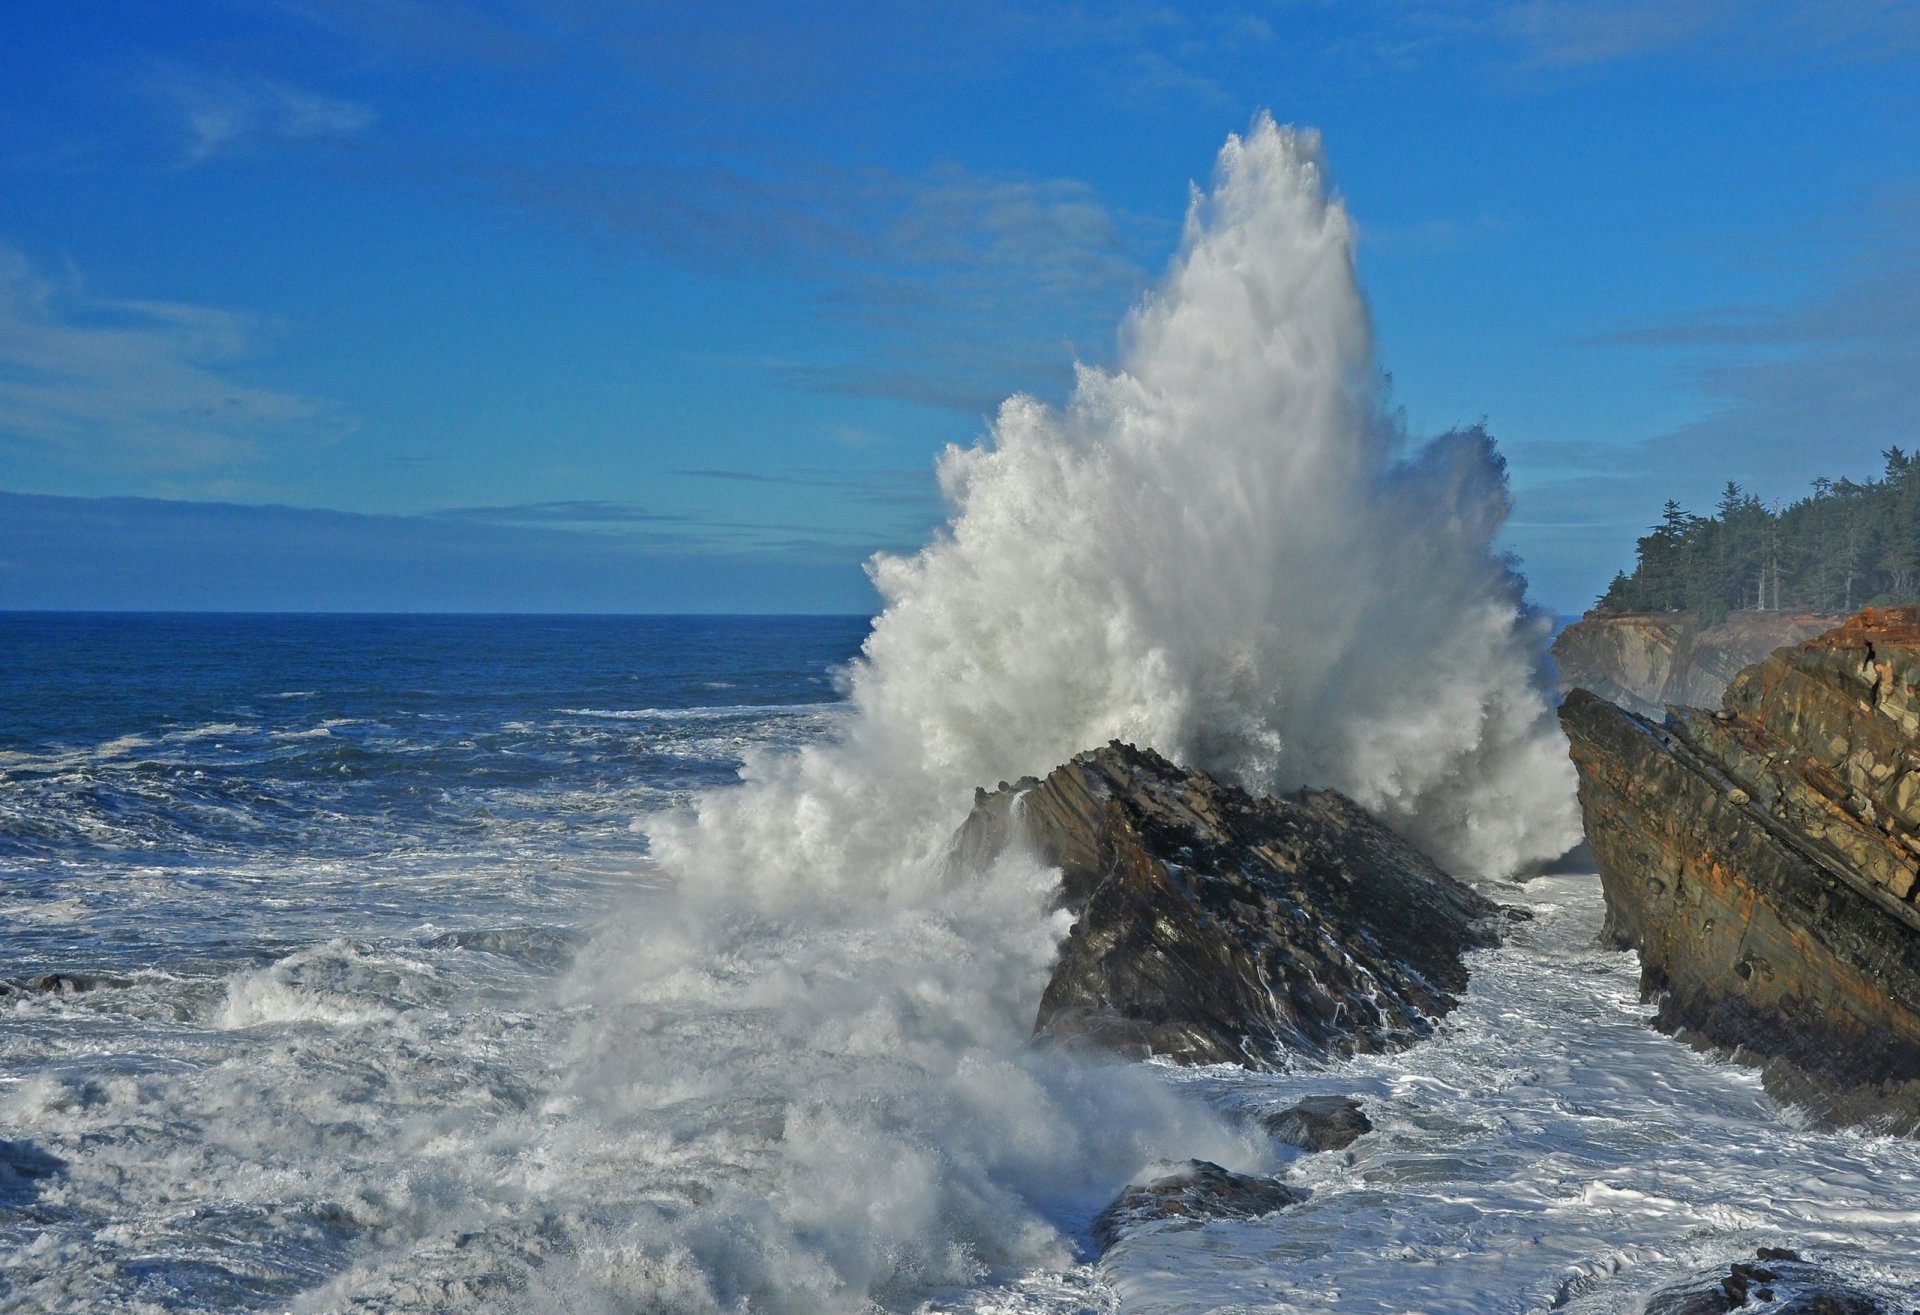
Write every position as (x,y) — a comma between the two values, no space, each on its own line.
(1219,550)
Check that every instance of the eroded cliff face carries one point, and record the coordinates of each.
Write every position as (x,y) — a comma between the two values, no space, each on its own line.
(1763,859)
(1646,661)
(1216,927)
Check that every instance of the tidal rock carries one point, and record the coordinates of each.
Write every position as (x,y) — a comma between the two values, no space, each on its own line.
(1217,927)
(22,1167)
(1320,1123)
(1645,661)
(1198,1190)
(1776,1282)
(1762,859)
(59,984)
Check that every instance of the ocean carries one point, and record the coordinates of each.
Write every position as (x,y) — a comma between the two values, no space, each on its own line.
(303,1010)
(600,965)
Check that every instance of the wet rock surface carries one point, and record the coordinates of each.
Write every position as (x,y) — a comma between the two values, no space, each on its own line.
(1217,927)
(1198,1190)
(1775,1282)
(1319,1123)
(1645,661)
(1762,859)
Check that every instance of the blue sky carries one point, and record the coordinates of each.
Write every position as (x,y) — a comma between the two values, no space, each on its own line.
(582,305)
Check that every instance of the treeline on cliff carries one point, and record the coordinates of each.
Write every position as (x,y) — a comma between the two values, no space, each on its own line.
(1849,544)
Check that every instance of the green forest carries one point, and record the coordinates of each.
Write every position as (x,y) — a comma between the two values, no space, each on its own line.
(1845,546)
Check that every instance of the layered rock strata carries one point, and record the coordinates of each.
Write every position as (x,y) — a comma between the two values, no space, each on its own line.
(1646,661)
(1763,860)
(1217,927)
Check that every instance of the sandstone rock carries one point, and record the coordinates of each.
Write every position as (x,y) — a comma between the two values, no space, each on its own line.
(1319,1123)
(1763,863)
(1198,1190)
(1646,661)
(1216,927)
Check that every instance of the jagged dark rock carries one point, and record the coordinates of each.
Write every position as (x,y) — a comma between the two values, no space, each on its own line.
(1216,927)
(1645,661)
(1763,860)
(59,984)
(1776,1282)
(1198,1190)
(1319,1123)
(23,1166)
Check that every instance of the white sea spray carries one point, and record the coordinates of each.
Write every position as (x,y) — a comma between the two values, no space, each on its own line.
(1221,549)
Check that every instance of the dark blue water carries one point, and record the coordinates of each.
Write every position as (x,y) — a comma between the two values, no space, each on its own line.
(210,757)
(279,892)
(302,921)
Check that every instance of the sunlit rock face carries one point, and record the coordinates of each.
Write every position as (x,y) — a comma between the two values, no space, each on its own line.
(1763,858)
(1646,661)
(1215,926)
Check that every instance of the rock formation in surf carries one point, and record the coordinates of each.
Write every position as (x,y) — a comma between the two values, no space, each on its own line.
(1217,927)
(1776,1281)
(1763,859)
(1646,661)
(1195,1192)
(1319,1123)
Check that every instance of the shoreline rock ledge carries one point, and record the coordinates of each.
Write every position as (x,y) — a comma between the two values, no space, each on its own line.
(1644,661)
(1218,927)
(1763,859)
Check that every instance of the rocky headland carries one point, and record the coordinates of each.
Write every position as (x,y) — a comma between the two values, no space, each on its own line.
(1646,661)
(1213,926)
(1762,858)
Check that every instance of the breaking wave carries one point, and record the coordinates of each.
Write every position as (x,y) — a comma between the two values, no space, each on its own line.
(1224,549)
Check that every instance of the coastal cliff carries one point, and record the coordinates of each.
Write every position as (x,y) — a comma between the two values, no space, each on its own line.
(1647,661)
(1762,859)
(1218,927)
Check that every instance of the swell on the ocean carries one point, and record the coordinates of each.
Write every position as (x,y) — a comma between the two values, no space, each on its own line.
(813,1059)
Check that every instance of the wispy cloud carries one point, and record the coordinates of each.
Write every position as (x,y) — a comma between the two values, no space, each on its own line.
(574,512)
(893,488)
(150,384)
(112,553)
(967,284)
(1566,33)
(226,115)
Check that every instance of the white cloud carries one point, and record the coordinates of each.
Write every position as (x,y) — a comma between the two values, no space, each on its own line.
(224,116)
(86,380)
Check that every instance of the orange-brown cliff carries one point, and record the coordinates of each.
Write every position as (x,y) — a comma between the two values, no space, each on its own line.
(1763,860)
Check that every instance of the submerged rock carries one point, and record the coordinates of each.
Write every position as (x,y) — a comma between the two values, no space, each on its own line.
(1198,1190)
(1645,661)
(1320,1123)
(1775,1282)
(1763,861)
(1217,927)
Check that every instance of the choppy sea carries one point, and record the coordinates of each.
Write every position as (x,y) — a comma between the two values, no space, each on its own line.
(288,911)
